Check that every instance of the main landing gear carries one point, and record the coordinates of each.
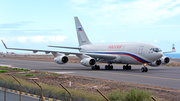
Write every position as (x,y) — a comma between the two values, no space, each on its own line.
(126,67)
(96,67)
(109,67)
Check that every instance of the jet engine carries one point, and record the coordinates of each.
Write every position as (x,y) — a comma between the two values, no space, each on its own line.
(61,59)
(88,62)
(165,60)
(155,63)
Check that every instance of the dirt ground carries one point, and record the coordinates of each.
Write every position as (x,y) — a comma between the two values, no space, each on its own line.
(87,83)
(106,86)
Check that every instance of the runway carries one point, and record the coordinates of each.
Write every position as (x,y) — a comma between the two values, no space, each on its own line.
(168,77)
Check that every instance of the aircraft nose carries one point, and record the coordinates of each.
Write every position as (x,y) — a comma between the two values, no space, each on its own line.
(159,55)
(155,56)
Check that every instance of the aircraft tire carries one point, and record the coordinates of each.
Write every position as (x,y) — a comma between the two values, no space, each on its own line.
(146,69)
(124,68)
(93,68)
(106,67)
(110,67)
(142,69)
(98,67)
(129,67)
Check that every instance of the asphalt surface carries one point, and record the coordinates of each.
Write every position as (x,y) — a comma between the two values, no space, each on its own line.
(15,97)
(168,77)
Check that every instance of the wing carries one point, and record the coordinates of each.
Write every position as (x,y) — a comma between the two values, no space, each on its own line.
(65,47)
(36,50)
(173,50)
(93,55)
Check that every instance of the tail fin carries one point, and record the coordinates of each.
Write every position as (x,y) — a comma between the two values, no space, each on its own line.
(82,37)
(173,48)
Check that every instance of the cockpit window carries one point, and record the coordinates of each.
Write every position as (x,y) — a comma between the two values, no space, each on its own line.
(156,49)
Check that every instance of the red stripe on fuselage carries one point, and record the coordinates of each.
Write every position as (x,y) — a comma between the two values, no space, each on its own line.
(126,54)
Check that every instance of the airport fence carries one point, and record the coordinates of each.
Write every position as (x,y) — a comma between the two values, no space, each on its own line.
(46,93)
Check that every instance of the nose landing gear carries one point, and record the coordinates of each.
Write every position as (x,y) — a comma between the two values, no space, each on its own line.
(144,69)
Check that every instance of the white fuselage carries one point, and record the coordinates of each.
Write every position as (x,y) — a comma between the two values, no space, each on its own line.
(127,53)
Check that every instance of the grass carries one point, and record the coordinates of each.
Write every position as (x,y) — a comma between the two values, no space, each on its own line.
(24,69)
(54,73)
(4,67)
(3,71)
(58,89)
(29,75)
(131,95)
(20,69)
(18,74)
(44,73)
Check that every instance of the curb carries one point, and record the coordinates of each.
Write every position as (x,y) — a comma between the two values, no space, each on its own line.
(28,94)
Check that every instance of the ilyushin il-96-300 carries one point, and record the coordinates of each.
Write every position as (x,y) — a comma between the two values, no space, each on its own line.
(118,53)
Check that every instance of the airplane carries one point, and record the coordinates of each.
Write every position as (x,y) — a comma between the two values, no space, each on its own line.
(112,53)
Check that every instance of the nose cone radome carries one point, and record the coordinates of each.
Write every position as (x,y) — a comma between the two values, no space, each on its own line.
(157,55)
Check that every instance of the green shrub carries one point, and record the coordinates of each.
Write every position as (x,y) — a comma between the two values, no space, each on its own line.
(20,69)
(131,95)
(43,72)
(29,75)
(4,67)
(24,69)
(3,71)
(14,69)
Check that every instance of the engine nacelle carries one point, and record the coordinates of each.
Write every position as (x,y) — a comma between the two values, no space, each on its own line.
(88,62)
(61,59)
(155,63)
(165,60)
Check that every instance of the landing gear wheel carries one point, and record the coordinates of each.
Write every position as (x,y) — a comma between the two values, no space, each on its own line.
(93,68)
(126,67)
(111,67)
(96,67)
(108,67)
(144,69)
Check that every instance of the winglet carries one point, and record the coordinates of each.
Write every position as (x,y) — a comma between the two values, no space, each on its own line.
(4,44)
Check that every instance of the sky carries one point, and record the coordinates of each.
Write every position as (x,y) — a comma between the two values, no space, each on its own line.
(35,24)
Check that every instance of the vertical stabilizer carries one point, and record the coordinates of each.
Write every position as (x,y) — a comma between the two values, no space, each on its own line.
(173,48)
(82,37)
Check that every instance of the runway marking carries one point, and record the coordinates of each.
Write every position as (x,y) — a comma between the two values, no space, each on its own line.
(139,75)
